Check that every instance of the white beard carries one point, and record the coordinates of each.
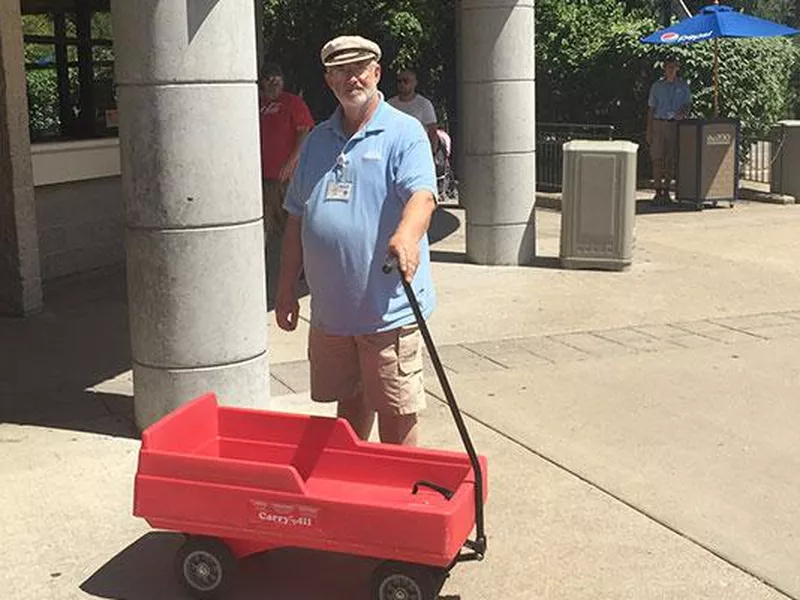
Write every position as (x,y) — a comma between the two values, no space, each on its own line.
(361,100)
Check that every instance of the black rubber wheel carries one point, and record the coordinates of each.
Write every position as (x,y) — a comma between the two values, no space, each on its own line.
(402,581)
(206,567)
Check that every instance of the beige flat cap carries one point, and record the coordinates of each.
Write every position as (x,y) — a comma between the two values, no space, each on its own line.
(347,49)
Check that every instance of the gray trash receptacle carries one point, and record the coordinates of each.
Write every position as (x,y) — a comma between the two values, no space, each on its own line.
(786,156)
(598,205)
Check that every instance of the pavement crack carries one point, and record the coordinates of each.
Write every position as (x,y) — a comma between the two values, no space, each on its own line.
(483,356)
(618,498)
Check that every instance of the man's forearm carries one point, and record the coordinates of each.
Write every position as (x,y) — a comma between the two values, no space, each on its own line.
(291,254)
(417,214)
(433,135)
(302,134)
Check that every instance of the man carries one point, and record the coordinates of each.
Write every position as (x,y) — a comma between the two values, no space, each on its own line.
(364,189)
(284,123)
(670,100)
(416,105)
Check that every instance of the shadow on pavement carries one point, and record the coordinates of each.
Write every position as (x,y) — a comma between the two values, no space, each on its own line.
(51,361)
(443,224)
(448,256)
(144,571)
(646,207)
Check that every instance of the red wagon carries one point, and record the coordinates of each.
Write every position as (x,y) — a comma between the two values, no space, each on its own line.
(240,481)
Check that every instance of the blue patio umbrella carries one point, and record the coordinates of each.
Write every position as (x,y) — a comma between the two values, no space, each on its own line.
(714,22)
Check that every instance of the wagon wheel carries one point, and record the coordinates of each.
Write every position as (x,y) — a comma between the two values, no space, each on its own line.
(206,567)
(403,581)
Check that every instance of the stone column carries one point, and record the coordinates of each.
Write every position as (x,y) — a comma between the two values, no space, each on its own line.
(20,278)
(188,103)
(497,100)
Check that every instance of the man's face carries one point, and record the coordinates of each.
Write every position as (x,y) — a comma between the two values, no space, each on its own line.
(671,71)
(272,86)
(354,84)
(406,83)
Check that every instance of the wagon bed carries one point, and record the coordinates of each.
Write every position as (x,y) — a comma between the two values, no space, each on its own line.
(260,480)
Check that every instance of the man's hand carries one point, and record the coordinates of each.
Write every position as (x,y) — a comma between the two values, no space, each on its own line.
(406,249)
(287,169)
(287,310)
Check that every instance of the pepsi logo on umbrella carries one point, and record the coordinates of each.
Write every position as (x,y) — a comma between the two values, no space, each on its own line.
(671,37)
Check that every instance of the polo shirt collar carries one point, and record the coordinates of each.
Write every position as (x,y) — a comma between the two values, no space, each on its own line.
(376,123)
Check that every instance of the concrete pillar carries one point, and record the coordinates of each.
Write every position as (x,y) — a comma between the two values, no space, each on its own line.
(191,179)
(497,102)
(20,278)
(259,8)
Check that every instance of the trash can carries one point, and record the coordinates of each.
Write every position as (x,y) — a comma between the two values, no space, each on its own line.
(785,177)
(707,161)
(598,205)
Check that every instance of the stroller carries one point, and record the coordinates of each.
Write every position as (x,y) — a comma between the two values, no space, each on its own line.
(445,178)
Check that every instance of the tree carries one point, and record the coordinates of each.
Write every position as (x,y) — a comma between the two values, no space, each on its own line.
(591,68)
(411,33)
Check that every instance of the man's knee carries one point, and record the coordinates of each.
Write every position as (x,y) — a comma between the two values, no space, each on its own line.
(398,428)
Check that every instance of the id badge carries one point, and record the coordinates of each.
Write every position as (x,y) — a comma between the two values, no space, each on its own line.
(340,191)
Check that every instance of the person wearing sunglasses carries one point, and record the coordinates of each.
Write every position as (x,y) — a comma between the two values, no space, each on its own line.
(416,105)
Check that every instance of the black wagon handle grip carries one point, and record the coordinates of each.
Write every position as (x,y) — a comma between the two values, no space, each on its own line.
(391,263)
(479,545)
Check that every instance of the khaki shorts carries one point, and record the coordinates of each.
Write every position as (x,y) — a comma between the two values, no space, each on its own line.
(384,370)
(664,140)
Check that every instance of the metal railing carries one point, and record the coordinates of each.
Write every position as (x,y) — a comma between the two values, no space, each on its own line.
(550,137)
(757,164)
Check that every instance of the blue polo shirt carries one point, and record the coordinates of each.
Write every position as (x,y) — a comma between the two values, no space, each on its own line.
(350,194)
(666,98)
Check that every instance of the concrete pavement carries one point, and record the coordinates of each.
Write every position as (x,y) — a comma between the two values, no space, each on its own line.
(639,425)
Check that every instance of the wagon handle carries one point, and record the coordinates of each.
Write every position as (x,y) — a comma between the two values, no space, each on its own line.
(479,545)
(448,494)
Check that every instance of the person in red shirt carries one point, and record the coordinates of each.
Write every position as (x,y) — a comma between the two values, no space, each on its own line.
(285,121)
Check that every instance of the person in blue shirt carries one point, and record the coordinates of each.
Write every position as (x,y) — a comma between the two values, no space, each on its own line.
(670,100)
(364,188)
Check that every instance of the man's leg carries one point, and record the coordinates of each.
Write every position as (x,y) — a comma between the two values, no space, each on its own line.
(391,371)
(335,377)
(274,214)
(670,152)
(657,157)
(356,412)
(398,429)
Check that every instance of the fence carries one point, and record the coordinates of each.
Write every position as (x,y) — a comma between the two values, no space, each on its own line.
(550,138)
(757,164)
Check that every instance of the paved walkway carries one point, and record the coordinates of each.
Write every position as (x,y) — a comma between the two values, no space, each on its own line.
(640,426)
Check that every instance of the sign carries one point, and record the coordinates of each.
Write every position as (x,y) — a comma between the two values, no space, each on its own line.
(284,516)
(670,37)
(719,139)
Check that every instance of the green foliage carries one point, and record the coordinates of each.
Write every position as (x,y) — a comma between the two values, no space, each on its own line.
(43,103)
(412,33)
(591,68)
(755,81)
(590,65)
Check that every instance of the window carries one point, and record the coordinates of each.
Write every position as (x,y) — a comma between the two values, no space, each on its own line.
(69,67)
